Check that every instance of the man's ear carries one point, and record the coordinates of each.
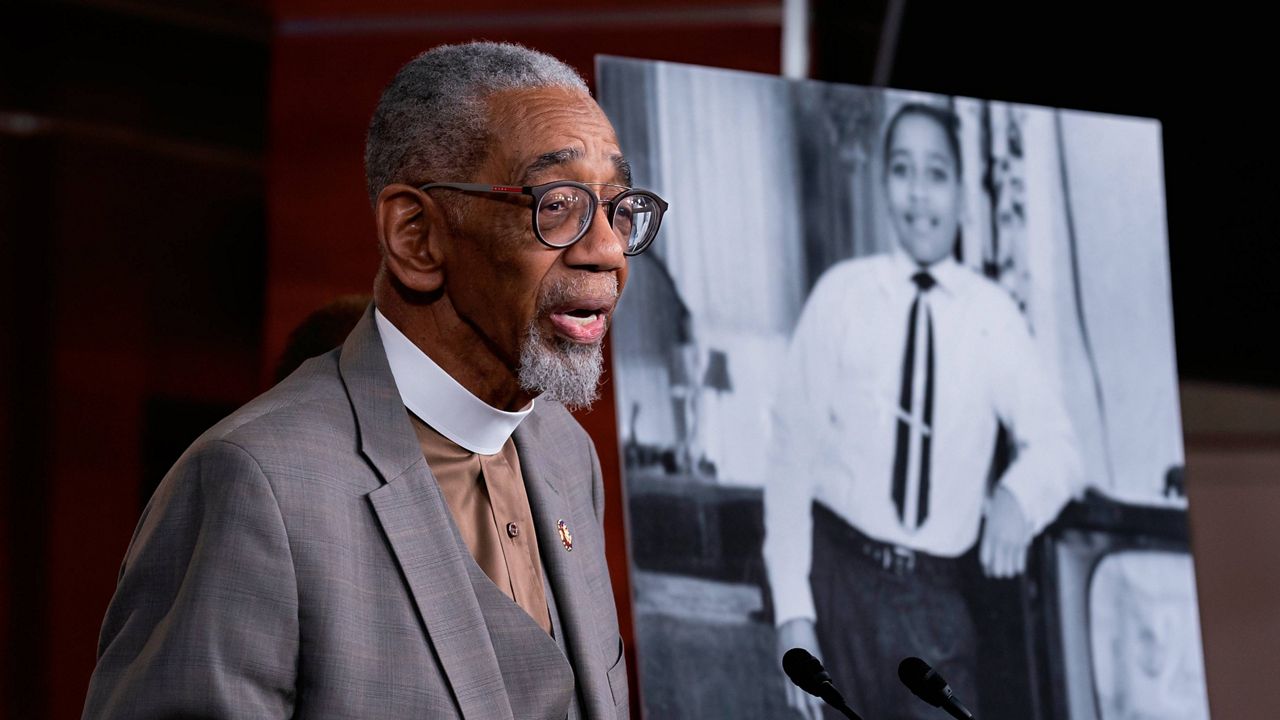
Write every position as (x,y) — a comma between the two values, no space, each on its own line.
(410,231)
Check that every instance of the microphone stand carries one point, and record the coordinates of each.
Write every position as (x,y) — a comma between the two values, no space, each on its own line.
(833,698)
(846,711)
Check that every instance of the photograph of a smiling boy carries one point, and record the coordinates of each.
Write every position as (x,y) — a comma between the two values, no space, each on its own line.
(767,353)
(901,368)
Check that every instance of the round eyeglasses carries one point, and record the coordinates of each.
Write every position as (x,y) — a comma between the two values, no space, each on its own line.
(563,210)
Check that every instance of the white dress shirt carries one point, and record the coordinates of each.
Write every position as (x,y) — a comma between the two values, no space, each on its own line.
(837,408)
(438,400)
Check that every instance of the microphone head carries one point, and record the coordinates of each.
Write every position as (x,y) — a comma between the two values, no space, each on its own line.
(923,681)
(805,670)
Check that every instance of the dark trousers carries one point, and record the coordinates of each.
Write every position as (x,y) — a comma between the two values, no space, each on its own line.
(877,605)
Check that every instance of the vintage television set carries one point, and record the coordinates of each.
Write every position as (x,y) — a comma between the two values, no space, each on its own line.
(1116,631)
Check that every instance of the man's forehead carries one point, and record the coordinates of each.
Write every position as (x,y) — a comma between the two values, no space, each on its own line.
(560,160)
(537,130)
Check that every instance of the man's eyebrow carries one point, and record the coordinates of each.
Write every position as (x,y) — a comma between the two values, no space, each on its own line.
(549,160)
(624,169)
(564,156)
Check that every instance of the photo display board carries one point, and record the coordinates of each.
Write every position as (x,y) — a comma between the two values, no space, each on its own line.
(897,379)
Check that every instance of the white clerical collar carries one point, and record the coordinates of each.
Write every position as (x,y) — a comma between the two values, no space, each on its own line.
(439,401)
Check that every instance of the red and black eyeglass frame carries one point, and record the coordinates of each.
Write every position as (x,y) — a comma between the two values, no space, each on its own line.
(537,192)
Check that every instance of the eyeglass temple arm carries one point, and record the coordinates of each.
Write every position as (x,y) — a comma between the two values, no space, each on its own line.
(480,187)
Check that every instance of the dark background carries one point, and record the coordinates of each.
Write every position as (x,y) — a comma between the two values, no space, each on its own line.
(180,184)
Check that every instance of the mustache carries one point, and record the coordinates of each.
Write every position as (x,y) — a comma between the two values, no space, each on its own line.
(578,287)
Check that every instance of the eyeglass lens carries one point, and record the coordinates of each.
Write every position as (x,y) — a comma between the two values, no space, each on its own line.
(564,213)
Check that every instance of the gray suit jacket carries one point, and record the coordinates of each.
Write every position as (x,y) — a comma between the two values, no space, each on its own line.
(299,561)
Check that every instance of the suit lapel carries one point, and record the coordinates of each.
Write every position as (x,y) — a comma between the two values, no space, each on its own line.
(546,480)
(420,529)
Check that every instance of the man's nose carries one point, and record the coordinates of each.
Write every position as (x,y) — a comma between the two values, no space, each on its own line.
(601,249)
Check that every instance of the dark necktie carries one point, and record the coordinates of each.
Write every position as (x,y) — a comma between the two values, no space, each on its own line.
(915,424)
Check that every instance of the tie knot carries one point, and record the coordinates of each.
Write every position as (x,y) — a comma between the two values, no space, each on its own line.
(923,280)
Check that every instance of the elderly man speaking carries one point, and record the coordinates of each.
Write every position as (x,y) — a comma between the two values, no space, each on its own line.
(410,526)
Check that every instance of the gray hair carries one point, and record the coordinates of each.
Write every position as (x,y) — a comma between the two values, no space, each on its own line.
(432,121)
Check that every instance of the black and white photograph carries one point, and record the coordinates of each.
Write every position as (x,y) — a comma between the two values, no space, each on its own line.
(899,382)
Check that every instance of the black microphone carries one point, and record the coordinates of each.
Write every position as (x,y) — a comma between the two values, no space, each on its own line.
(929,686)
(807,673)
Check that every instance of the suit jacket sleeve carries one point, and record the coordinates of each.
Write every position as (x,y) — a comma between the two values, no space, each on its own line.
(204,622)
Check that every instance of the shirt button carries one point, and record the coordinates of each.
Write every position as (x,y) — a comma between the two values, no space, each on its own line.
(513,530)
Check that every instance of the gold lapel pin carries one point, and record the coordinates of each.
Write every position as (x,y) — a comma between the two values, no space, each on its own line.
(566,537)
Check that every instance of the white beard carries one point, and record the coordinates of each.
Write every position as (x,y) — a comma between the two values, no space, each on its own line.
(568,374)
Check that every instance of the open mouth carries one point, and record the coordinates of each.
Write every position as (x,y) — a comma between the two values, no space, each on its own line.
(919,222)
(581,322)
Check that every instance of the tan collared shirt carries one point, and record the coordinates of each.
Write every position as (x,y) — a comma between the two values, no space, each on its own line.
(490,506)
